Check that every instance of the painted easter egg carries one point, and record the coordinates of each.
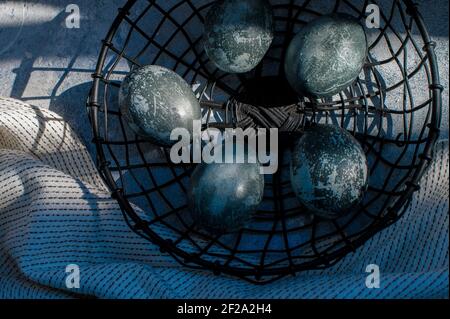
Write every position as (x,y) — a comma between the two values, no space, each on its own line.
(155,100)
(238,33)
(329,171)
(326,56)
(224,196)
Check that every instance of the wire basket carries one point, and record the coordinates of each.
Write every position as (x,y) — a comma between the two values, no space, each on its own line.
(393,109)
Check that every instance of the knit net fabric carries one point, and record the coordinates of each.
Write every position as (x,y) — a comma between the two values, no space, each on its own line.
(56,211)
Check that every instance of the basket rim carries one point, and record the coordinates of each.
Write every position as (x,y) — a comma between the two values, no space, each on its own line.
(185,258)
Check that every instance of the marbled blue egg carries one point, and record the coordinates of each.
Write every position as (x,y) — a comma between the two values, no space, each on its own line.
(155,100)
(224,196)
(326,56)
(238,34)
(329,171)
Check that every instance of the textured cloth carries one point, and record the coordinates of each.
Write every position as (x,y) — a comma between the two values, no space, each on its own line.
(56,211)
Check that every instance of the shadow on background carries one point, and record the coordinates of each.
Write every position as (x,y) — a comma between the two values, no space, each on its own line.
(64,58)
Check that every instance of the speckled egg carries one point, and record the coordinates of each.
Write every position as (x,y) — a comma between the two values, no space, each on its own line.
(155,100)
(238,33)
(225,196)
(329,171)
(326,56)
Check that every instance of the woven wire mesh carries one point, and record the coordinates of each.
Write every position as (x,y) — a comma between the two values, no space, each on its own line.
(393,109)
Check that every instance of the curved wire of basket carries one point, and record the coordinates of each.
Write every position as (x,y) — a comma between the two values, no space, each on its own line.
(393,109)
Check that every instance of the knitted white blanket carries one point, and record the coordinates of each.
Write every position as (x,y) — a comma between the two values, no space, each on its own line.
(56,212)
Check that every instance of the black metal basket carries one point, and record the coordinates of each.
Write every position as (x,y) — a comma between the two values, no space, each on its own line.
(393,109)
